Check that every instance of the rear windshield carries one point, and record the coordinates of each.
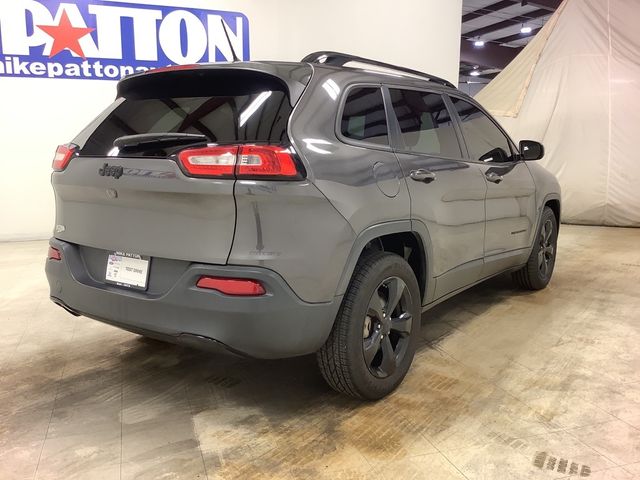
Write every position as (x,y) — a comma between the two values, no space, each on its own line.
(232,108)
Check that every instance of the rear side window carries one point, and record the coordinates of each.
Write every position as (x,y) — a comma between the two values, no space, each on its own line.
(485,141)
(425,123)
(227,110)
(363,116)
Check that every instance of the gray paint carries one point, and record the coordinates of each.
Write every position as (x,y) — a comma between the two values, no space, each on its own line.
(303,238)
(291,228)
(150,214)
(274,325)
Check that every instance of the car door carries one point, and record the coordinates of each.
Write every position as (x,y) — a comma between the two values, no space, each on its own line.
(447,193)
(510,199)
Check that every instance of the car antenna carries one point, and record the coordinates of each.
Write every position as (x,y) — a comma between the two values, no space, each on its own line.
(226,33)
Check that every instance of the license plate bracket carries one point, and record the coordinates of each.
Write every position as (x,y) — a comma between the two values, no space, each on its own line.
(128,270)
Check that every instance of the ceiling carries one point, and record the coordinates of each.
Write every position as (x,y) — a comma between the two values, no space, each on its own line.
(498,24)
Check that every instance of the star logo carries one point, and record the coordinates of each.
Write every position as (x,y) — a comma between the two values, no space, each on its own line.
(65,36)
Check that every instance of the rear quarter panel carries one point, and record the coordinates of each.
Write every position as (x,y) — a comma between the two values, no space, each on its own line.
(365,185)
(291,228)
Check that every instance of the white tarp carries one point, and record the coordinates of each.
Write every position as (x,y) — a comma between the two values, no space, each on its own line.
(576,88)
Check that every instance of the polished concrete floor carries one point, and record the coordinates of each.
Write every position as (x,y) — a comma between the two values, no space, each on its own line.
(506,385)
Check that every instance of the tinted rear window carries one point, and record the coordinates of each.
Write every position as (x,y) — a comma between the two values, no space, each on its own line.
(425,123)
(245,108)
(363,117)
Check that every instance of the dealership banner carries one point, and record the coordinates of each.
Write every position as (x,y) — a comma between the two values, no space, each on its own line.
(105,40)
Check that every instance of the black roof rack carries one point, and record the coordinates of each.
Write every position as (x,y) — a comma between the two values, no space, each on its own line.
(338,59)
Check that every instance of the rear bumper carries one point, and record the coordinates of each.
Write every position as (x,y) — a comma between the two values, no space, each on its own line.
(275,325)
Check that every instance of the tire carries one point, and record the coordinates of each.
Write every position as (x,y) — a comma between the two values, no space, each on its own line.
(537,272)
(356,359)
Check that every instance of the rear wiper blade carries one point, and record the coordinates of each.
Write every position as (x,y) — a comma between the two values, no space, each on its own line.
(145,140)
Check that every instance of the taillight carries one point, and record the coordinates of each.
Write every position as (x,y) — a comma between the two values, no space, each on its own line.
(265,161)
(209,161)
(232,286)
(243,161)
(54,254)
(62,157)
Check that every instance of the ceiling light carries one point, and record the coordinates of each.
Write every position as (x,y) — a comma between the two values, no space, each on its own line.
(475,73)
(526,29)
(479,43)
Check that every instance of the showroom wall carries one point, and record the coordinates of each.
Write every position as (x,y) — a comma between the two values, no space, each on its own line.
(37,113)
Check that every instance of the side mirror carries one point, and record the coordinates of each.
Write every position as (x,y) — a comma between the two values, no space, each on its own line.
(531,150)
(497,155)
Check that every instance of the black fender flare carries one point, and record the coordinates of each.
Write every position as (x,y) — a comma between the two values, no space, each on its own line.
(372,232)
(547,197)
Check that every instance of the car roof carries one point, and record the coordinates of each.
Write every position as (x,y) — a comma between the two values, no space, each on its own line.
(391,78)
(297,74)
(338,59)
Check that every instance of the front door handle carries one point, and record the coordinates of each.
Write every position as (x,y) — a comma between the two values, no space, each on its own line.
(494,177)
(422,175)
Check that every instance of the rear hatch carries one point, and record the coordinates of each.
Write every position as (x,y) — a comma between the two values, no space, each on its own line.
(124,187)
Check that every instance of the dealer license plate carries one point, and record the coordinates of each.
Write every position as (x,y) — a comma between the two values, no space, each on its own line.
(127,270)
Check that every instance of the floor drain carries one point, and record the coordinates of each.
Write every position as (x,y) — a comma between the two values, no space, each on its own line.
(543,460)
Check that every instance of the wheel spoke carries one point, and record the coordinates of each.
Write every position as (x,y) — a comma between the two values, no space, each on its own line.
(387,327)
(396,288)
(547,232)
(549,251)
(543,267)
(541,257)
(376,306)
(371,346)
(388,364)
(402,324)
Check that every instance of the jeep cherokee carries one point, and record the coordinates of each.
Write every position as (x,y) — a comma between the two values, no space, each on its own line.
(275,209)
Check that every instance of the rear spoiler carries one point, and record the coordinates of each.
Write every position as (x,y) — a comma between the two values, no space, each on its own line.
(290,77)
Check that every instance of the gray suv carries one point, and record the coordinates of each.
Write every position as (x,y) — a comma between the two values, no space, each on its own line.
(275,209)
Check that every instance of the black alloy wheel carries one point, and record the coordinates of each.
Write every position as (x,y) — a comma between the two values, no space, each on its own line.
(376,332)
(537,272)
(546,253)
(387,327)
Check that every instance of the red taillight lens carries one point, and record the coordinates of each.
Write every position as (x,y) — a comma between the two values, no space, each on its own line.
(243,161)
(209,161)
(54,254)
(232,286)
(267,160)
(63,157)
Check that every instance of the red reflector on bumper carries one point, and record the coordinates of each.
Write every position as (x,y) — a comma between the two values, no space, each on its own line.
(54,254)
(232,286)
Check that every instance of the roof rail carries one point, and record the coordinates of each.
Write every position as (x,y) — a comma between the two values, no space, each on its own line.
(338,59)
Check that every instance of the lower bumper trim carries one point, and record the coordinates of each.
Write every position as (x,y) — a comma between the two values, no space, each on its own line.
(275,325)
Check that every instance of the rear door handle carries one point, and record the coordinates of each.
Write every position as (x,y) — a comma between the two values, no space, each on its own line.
(422,175)
(494,177)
